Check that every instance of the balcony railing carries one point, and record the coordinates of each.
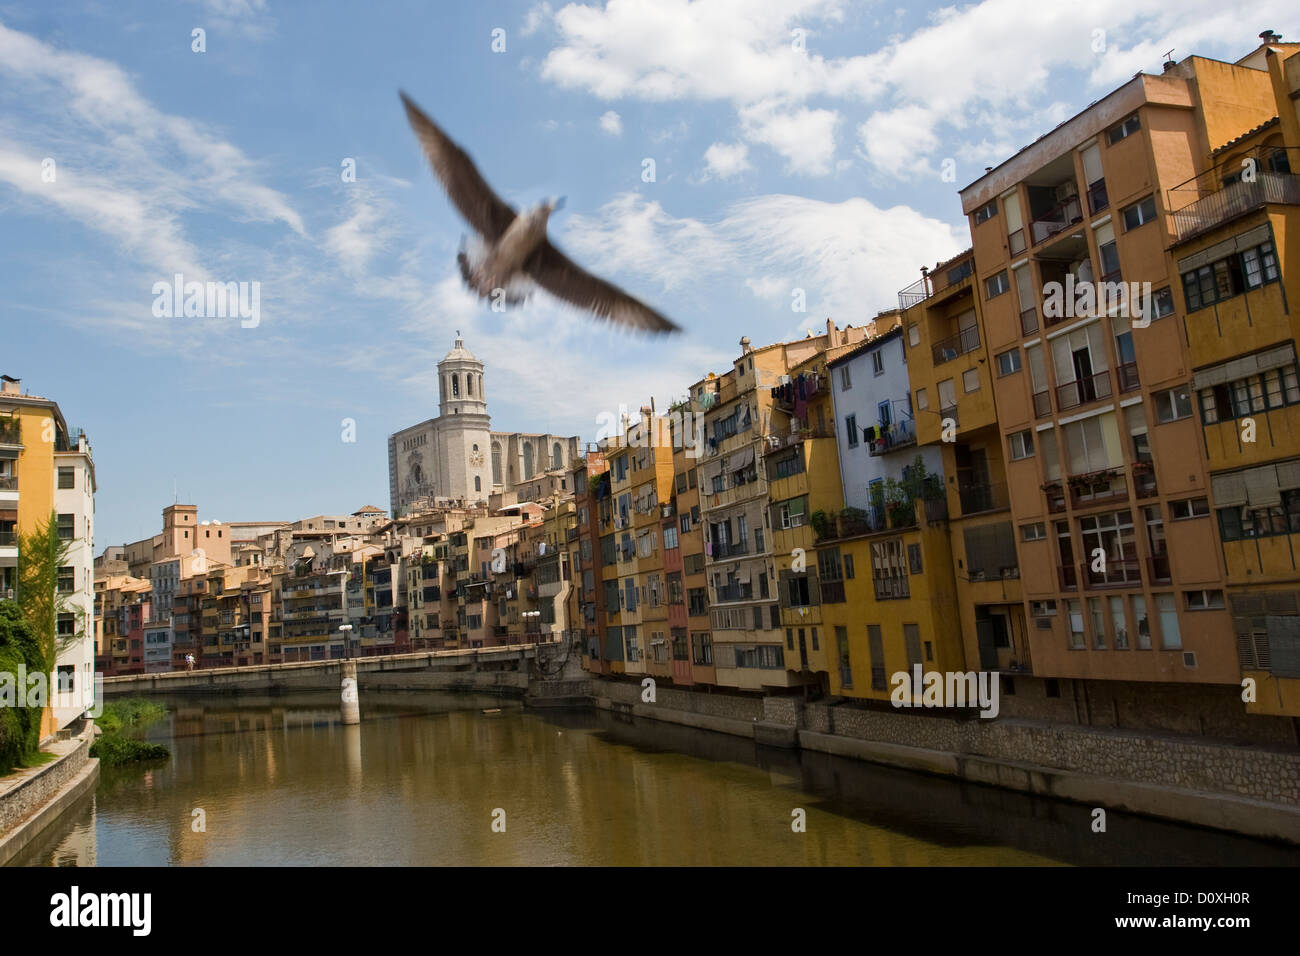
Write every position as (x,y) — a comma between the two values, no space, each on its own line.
(1083,391)
(8,539)
(1107,484)
(1127,373)
(1016,242)
(900,435)
(1114,574)
(737,592)
(1042,404)
(1055,492)
(1060,217)
(946,350)
(986,496)
(888,588)
(732,550)
(1235,200)
(1144,480)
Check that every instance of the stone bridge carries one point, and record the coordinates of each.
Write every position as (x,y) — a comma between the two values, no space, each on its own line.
(547,674)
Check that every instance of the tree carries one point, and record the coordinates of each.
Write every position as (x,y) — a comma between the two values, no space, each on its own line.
(40,556)
(20,726)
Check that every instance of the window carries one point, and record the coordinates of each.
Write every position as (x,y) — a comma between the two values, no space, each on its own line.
(1230,276)
(922,398)
(914,558)
(67,478)
(1172,405)
(1170,637)
(1033,532)
(1022,445)
(1042,608)
(1203,600)
(67,580)
(994,286)
(986,212)
(1123,130)
(1008,362)
(1247,396)
(851,426)
(1160,304)
(878,362)
(797,591)
(1189,508)
(1075,614)
(970,380)
(914,335)
(67,527)
(791,514)
(670,537)
(1140,213)
(846,380)
(889,570)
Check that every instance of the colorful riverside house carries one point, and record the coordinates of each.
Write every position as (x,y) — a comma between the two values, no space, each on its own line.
(1107,468)
(951,377)
(609,658)
(650,479)
(618,557)
(589,483)
(890,546)
(696,667)
(749,640)
(47,468)
(804,493)
(1235,278)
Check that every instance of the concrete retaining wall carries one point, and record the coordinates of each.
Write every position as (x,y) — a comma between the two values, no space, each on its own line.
(42,794)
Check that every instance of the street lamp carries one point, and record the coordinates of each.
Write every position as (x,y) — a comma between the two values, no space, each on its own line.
(345,630)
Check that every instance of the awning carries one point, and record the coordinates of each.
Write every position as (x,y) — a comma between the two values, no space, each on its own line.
(1288,475)
(1244,367)
(739,460)
(1229,490)
(1261,487)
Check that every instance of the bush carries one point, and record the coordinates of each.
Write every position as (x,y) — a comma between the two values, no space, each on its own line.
(113,750)
(122,715)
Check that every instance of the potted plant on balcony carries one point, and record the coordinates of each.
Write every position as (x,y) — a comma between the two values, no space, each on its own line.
(820,523)
(1142,467)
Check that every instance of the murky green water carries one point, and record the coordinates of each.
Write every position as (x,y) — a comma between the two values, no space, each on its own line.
(281,782)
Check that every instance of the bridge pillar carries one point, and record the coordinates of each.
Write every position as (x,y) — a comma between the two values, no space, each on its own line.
(351,706)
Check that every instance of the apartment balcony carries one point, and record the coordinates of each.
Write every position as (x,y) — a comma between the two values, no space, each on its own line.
(1124,573)
(1043,404)
(1144,480)
(945,282)
(1055,492)
(1234,200)
(986,496)
(1127,373)
(949,413)
(1084,391)
(891,588)
(738,592)
(1055,220)
(734,549)
(900,435)
(1097,487)
(11,431)
(947,350)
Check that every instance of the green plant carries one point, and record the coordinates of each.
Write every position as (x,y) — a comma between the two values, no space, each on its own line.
(20,727)
(40,556)
(114,750)
(820,522)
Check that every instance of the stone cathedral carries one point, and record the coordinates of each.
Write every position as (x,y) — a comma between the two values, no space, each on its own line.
(456,458)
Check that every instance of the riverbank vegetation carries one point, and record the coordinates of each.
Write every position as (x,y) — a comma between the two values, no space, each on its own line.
(119,722)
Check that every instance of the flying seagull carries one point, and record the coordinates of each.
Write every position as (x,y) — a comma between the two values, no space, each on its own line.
(515,249)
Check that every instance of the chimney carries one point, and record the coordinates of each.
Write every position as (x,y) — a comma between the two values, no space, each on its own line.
(1268,36)
(744,344)
(9,385)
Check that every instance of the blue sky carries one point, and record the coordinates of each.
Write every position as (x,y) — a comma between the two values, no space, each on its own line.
(798,144)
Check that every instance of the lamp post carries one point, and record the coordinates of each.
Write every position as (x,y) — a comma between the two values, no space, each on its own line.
(351,706)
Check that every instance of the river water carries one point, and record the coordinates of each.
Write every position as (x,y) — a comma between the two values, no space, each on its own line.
(429,779)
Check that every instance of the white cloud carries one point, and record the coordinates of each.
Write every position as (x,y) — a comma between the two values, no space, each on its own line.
(898,141)
(725,160)
(804,137)
(611,123)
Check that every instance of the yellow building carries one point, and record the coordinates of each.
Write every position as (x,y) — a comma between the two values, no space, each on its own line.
(47,469)
(1236,277)
(951,377)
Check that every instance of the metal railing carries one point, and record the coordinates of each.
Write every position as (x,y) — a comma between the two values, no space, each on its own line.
(1097,198)
(901,435)
(1103,485)
(946,350)
(1234,200)
(1115,574)
(1057,219)
(986,496)
(1082,391)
